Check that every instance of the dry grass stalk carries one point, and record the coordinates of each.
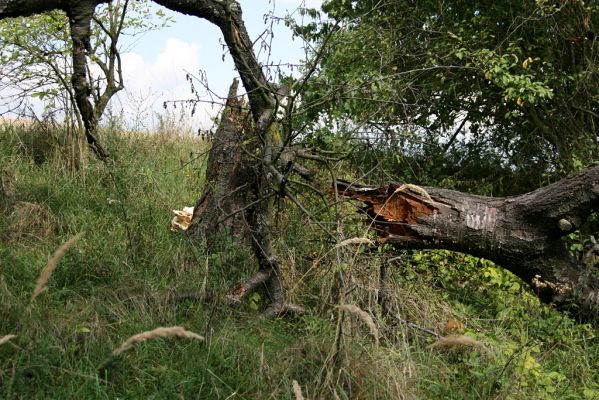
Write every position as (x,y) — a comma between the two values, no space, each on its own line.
(52,264)
(155,333)
(364,317)
(356,240)
(297,390)
(6,338)
(457,342)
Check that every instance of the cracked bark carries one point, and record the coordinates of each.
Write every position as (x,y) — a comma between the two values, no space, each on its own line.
(522,233)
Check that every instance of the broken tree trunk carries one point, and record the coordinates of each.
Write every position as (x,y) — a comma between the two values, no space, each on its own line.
(236,200)
(522,233)
(228,175)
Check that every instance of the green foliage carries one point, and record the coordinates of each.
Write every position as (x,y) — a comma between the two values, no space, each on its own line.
(120,278)
(450,84)
(36,56)
(530,342)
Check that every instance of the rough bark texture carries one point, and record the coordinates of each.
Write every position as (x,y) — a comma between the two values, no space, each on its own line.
(228,173)
(522,234)
(80,15)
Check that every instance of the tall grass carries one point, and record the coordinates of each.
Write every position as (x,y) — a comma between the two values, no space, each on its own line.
(122,279)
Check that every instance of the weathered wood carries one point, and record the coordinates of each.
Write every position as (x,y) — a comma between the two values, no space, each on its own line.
(228,173)
(521,233)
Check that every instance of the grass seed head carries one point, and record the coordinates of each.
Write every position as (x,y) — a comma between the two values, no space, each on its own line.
(364,317)
(6,338)
(177,331)
(297,390)
(46,273)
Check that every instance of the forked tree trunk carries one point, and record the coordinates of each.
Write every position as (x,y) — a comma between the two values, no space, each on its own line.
(522,233)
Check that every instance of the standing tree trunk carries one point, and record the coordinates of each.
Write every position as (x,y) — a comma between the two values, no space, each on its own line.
(228,176)
(80,16)
(522,234)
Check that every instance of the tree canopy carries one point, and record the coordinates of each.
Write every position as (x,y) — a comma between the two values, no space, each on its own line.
(479,90)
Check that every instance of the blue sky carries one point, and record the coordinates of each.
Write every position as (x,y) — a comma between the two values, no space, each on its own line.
(156,64)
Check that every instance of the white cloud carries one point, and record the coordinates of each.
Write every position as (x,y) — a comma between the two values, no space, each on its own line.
(166,71)
(148,84)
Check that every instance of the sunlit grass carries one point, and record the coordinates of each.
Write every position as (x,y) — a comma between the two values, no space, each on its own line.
(121,277)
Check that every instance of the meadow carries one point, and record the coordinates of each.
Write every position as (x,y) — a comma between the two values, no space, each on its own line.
(126,272)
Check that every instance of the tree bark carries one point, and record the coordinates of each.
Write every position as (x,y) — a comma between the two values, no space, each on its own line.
(228,174)
(80,16)
(522,233)
(25,8)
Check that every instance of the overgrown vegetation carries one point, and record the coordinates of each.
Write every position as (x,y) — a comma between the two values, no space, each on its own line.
(100,299)
(125,274)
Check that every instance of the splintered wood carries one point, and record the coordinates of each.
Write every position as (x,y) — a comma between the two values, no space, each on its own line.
(393,209)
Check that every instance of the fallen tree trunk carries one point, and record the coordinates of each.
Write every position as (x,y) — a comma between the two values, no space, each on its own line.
(522,233)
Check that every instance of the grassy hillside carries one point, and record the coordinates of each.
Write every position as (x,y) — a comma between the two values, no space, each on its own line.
(123,276)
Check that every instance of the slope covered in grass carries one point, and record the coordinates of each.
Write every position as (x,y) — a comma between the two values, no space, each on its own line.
(123,275)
